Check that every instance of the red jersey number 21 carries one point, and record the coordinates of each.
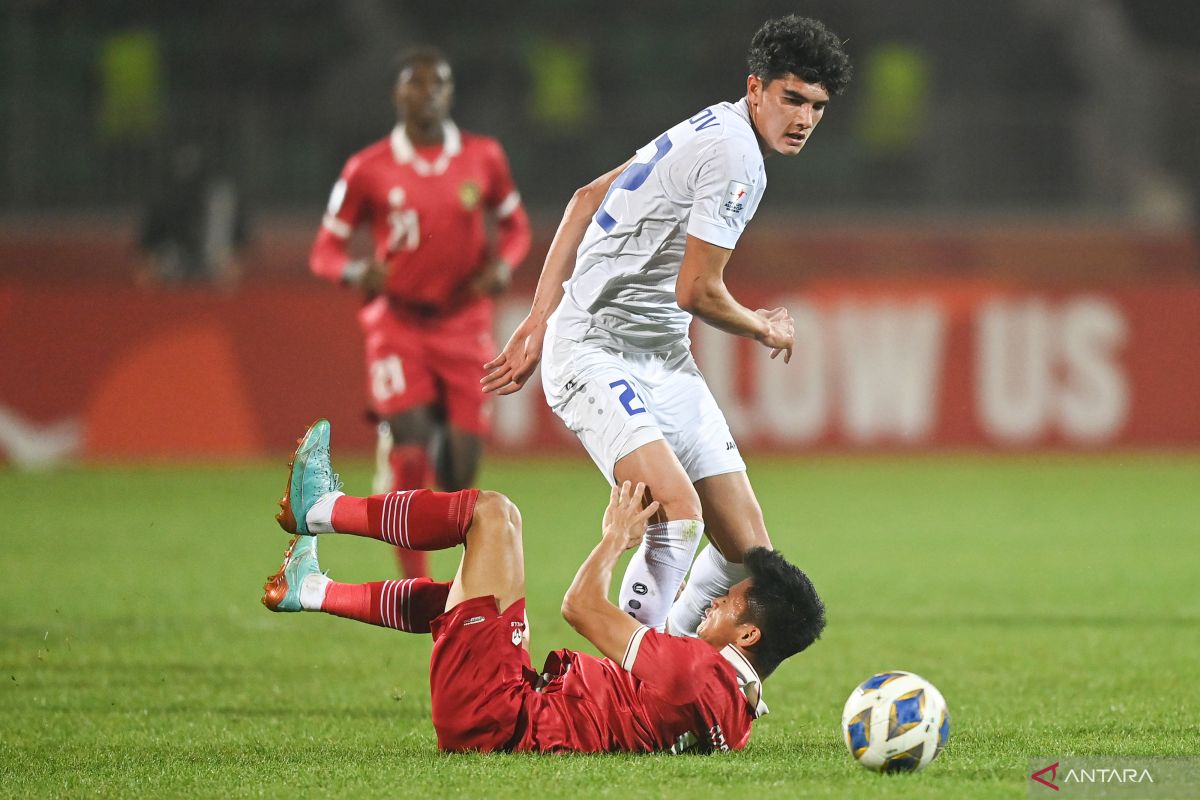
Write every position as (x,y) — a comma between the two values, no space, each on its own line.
(405,233)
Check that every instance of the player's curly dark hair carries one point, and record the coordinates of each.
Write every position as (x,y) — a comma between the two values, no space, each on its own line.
(802,46)
(784,605)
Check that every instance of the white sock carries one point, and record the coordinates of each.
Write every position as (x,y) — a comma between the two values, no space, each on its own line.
(657,569)
(320,517)
(382,482)
(312,591)
(712,576)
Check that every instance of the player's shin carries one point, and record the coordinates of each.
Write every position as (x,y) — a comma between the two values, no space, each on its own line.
(407,468)
(712,577)
(418,520)
(657,569)
(407,605)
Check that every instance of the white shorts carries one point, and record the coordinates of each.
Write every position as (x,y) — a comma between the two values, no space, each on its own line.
(616,402)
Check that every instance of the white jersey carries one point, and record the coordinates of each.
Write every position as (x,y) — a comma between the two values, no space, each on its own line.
(704,178)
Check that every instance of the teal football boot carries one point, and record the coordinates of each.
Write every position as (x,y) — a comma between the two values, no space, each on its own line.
(281,592)
(310,477)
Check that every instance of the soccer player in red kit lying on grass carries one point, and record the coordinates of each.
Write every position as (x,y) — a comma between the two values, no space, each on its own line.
(652,692)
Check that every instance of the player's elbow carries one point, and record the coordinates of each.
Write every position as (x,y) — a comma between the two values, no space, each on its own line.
(575,610)
(316,263)
(696,297)
(570,609)
(582,200)
(326,257)
(685,298)
(588,198)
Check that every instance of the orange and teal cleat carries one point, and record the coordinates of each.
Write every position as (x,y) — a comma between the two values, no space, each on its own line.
(310,477)
(281,592)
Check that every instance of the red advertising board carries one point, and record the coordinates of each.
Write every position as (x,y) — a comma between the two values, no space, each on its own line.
(901,365)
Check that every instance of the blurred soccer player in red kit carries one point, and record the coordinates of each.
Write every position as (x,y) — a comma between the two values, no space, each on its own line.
(424,192)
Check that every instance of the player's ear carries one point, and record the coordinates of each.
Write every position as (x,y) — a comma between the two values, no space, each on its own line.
(754,86)
(748,635)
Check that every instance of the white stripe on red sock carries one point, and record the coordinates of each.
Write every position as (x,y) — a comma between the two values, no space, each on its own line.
(402,535)
(395,604)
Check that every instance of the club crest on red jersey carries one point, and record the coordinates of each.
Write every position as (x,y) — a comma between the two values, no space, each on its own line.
(469,194)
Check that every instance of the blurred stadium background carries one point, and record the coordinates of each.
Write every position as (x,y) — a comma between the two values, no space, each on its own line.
(990,249)
(990,244)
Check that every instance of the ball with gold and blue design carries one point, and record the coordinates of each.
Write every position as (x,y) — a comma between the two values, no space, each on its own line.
(895,721)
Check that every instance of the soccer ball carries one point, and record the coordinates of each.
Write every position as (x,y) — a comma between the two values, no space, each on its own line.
(895,722)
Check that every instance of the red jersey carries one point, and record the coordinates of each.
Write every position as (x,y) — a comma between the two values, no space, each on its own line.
(670,694)
(425,210)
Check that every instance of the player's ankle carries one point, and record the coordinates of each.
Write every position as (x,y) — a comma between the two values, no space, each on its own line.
(312,591)
(320,517)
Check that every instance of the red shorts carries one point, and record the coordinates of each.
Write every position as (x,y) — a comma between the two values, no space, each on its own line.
(416,359)
(479,675)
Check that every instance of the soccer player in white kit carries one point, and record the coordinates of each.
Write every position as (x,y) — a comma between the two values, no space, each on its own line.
(639,251)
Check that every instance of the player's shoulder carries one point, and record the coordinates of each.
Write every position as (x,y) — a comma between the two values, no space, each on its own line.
(372,154)
(473,141)
(722,128)
(739,131)
(682,650)
(683,668)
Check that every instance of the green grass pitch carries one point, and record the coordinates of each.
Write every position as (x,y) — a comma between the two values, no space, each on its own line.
(1053,600)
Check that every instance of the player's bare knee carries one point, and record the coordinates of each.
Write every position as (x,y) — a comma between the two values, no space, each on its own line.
(734,544)
(496,516)
(680,503)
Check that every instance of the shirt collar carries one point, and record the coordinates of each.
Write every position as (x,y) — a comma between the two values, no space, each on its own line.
(748,679)
(404,152)
(742,109)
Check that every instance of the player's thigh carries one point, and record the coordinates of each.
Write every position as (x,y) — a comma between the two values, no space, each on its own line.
(414,425)
(399,375)
(656,466)
(493,561)
(457,364)
(477,675)
(599,398)
(691,421)
(458,458)
(733,519)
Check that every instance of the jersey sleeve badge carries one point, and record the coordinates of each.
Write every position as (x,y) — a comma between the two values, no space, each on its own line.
(736,198)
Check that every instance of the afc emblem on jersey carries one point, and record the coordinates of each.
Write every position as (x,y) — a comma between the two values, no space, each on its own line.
(469,194)
(736,197)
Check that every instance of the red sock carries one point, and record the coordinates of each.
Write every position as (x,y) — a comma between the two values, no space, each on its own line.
(408,605)
(410,470)
(418,519)
(413,563)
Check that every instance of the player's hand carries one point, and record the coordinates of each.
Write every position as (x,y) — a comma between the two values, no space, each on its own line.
(781,332)
(373,279)
(492,280)
(625,518)
(507,372)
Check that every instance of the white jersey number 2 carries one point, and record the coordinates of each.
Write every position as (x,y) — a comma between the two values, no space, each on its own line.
(632,178)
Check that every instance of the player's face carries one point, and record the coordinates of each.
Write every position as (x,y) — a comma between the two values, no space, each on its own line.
(723,621)
(785,112)
(424,92)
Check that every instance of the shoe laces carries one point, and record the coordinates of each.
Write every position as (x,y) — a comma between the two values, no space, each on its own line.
(323,469)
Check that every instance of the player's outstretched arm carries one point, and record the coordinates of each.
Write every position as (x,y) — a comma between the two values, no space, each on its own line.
(586,607)
(700,290)
(511,368)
